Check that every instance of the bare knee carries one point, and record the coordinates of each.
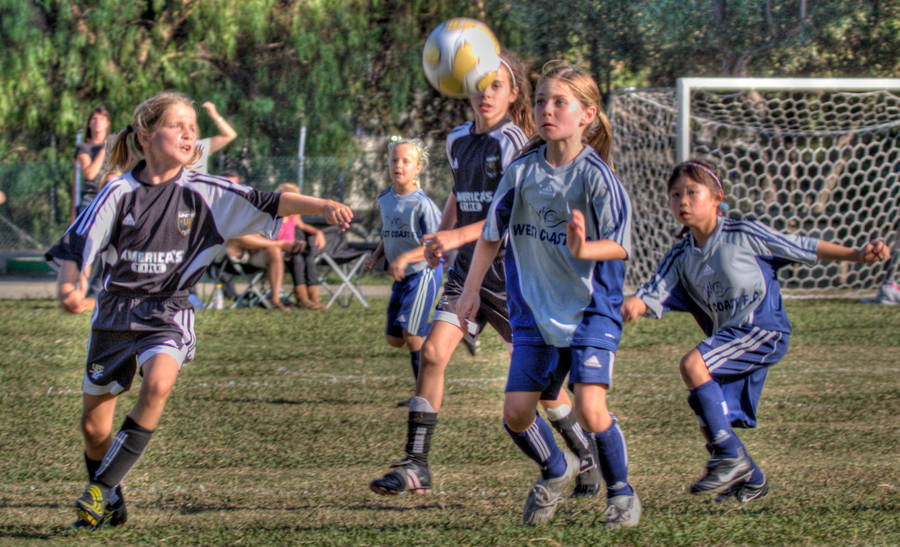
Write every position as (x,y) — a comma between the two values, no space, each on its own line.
(434,357)
(395,342)
(590,407)
(517,419)
(693,369)
(96,432)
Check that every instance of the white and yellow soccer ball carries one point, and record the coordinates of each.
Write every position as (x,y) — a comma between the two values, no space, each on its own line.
(461,57)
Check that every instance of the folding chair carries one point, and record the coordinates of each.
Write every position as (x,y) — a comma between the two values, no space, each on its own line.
(225,270)
(344,258)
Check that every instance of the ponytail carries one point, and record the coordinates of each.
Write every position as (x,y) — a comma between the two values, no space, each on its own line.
(126,150)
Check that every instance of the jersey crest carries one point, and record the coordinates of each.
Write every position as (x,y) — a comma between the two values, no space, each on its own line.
(185,220)
(492,167)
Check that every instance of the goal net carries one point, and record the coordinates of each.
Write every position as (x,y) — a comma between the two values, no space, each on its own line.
(814,157)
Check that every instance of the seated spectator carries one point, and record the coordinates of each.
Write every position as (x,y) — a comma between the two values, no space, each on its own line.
(270,254)
(262,252)
(302,265)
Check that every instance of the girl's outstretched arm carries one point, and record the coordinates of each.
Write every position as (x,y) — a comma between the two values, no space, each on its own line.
(299,204)
(869,253)
(576,241)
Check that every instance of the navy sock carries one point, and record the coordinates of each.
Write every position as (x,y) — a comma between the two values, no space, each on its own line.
(537,443)
(123,454)
(614,460)
(708,403)
(414,361)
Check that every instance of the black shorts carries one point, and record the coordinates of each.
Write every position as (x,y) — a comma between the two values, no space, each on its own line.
(128,331)
(493,309)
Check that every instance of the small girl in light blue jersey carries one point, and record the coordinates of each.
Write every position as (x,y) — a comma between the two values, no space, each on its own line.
(407,214)
(564,287)
(724,272)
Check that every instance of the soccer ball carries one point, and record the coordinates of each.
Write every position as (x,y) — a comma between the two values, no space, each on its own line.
(461,57)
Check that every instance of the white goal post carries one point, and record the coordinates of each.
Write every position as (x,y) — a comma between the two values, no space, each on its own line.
(817,156)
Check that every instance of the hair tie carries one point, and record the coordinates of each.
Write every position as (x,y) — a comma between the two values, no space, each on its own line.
(512,75)
(708,171)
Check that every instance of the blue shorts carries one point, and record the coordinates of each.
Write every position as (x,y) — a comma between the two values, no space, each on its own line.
(411,303)
(544,368)
(738,360)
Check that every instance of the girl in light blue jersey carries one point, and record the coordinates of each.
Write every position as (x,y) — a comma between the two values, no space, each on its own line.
(564,285)
(724,272)
(407,215)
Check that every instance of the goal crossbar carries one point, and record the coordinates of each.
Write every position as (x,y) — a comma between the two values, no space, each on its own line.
(685,85)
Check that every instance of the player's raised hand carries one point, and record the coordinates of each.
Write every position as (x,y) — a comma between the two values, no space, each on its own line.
(873,252)
(633,308)
(436,244)
(575,234)
(338,214)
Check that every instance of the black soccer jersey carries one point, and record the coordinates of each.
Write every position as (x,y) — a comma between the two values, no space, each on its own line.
(478,161)
(158,239)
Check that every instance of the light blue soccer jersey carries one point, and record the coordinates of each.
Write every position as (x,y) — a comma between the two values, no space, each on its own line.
(732,280)
(554,298)
(404,220)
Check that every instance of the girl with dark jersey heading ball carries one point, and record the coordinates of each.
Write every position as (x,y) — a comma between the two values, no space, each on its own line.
(155,228)
(479,152)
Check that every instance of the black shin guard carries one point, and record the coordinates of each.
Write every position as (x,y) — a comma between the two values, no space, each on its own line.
(576,439)
(419,429)
(123,454)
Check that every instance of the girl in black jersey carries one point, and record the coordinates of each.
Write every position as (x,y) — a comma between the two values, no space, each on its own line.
(155,228)
(478,151)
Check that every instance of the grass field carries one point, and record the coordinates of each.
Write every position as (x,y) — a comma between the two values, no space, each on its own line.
(274,432)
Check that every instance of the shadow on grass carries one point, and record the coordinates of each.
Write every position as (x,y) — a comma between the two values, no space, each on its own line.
(195,508)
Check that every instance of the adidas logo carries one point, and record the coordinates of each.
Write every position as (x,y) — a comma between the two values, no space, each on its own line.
(129,220)
(593,362)
(707,270)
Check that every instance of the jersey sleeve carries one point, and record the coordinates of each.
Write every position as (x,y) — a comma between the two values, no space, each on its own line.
(89,235)
(664,292)
(784,247)
(611,208)
(237,209)
(497,220)
(429,217)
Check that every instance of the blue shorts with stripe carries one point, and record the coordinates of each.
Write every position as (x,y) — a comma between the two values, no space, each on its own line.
(411,302)
(738,359)
(543,368)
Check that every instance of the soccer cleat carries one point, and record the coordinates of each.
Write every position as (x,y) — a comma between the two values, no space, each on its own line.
(547,494)
(91,507)
(623,511)
(116,511)
(408,476)
(744,492)
(723,472)
(587,483)
(114,514)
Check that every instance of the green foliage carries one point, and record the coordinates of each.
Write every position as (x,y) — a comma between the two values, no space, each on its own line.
(351,67)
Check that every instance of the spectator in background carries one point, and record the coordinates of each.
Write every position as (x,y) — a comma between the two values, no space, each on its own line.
(211,145)
(303,264)
(90,155)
